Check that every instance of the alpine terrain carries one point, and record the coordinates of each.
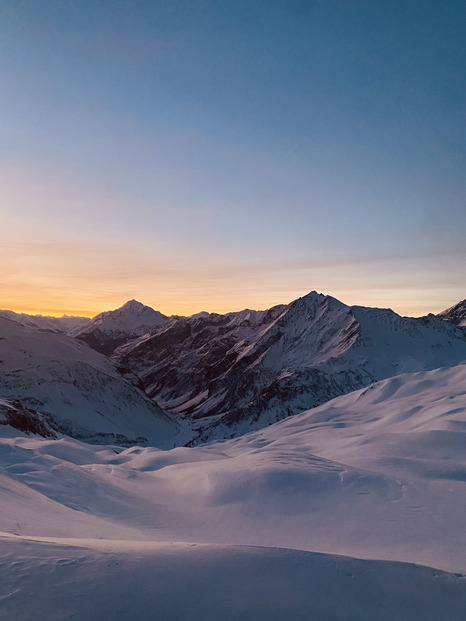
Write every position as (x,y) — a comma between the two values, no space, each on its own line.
(249,369)
(302,462)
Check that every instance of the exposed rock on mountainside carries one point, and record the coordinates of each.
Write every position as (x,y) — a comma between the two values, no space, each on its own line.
(456,314)
(27,420)
(250,369)
(230,373)
(108,330)
(61,385)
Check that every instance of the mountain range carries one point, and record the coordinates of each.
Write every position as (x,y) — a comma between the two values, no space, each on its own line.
(241,371)
(135,375)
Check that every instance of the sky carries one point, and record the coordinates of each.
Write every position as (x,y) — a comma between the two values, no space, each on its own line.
(217,154)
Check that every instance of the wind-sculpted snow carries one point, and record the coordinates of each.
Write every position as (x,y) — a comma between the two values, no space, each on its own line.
(248,370)
(108,581)
(54,383)
(377,474)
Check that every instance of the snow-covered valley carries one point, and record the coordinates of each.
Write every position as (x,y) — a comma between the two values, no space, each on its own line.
(351,510)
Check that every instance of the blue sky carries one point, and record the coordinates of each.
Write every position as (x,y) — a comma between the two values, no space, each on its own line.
(217,154)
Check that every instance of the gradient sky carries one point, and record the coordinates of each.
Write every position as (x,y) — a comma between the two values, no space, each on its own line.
(216,155)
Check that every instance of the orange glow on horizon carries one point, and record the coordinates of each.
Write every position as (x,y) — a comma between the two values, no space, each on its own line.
(67,276)
(184,308)
(53,312)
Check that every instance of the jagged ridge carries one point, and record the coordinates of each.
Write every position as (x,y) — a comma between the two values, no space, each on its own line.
(248,370)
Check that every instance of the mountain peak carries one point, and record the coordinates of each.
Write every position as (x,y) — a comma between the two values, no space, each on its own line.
(316,301)
(313,295)
(111,329)
(455,314)
(133,305)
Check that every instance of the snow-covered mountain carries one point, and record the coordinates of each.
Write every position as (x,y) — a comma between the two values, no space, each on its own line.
(63,324)
(455,314)
(110,329)
(249,369)
(52,382)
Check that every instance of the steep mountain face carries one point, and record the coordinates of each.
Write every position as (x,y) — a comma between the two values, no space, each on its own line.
(110,329)
(181,359)
(27,420)
(247,370)
(64,324)
(50,383)
(456,314)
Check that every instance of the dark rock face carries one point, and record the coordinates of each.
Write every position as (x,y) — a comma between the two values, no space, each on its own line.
(456,314)
(245,370)
(229,373)
(189,362)
(27,420)
(102,342)
(283,397)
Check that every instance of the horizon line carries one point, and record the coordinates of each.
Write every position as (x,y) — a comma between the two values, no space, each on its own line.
(44,311)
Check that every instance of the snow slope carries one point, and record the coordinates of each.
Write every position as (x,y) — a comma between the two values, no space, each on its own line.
(107,581)
(53,380)
(43,322)
(250,369)
(377,474)
(110,329)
